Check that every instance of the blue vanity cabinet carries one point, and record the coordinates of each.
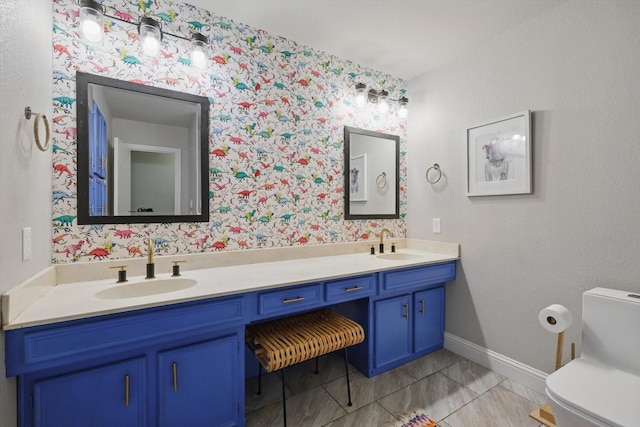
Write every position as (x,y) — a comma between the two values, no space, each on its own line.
(408,314)
(104,396)
(198,384)
(163,366)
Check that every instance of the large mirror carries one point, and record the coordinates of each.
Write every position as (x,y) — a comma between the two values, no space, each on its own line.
(142,153)
(372,167)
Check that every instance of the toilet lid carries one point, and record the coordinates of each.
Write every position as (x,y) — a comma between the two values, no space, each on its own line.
(606,394)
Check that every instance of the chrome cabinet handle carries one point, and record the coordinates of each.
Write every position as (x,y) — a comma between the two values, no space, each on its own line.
(289,301)
(406,311)
(422,305)
(355,288)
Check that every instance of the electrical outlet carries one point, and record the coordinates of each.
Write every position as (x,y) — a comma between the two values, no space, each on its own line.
(437,225)
(26,243)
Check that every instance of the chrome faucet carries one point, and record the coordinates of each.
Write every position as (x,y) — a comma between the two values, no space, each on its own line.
(382,238)
(150,265)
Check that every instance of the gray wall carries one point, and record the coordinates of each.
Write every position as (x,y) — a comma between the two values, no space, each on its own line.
(25,80)
(576,68)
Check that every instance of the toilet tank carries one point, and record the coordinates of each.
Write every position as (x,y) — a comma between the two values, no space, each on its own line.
(611,328)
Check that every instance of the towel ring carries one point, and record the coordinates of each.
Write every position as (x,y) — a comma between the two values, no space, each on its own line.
(36,131)
(381,181)
(435,167)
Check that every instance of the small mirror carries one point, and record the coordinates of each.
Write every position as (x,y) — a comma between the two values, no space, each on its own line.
(142,153)
(371,172)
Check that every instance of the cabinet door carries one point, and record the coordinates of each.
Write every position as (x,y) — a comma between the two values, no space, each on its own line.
(112,395)
(428,319)
(200,384)
(392,330)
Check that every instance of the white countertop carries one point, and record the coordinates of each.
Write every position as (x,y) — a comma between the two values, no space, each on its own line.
(39,301)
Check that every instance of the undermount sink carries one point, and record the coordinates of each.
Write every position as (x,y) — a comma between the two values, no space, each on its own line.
(398,256)
(147,288)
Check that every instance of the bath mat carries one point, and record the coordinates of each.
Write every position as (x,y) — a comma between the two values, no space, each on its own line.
(415,419)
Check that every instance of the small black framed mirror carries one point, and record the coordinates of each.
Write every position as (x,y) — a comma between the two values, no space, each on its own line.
(371,174)
(142,153)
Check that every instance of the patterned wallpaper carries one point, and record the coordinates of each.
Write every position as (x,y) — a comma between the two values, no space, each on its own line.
(276,133)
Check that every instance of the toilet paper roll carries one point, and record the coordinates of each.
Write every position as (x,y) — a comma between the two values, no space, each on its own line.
(555,318)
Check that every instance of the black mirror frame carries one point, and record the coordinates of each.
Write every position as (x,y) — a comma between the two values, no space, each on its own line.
(348,130)
(82,82)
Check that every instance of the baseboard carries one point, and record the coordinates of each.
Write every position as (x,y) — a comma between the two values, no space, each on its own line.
(510,368)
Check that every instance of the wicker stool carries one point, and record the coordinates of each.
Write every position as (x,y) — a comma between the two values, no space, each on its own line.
(283,342)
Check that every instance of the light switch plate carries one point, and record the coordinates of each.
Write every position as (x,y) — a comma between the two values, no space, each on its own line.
(437,225)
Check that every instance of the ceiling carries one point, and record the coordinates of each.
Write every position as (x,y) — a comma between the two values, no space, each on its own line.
(403,38)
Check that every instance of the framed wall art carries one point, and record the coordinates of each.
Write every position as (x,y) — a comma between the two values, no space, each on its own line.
(499,156)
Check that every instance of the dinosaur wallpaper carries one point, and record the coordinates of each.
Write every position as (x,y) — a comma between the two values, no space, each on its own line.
(277,114)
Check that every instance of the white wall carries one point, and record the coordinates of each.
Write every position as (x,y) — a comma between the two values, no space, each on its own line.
(25,172)
(576,68)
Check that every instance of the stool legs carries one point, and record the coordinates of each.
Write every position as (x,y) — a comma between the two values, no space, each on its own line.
(284,401)
(346,368)
(259,379)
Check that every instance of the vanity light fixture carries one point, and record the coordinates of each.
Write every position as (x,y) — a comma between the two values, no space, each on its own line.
(92,16)
(383,103)
(91,21)
(381,98)
(199,51)
(361,95)
(403,110)
(151,35)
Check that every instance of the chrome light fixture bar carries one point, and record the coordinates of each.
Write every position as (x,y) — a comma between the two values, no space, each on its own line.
(92,16)
(381,98)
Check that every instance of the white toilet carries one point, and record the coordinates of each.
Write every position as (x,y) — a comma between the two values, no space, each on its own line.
(602,387)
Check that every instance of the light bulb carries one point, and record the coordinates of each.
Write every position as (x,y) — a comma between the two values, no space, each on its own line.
(91,31)
(403,110)
(198,59)
(150,46)
(151,34)
(91,22)
(361,95)
(199,51)
(383,104)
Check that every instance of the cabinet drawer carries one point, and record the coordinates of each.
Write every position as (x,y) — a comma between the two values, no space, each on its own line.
(349,289)
(289,300)
(408,278)
(60,344)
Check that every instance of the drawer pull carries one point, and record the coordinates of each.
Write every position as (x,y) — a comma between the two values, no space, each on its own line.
(355,288)
(126,390)
(175,376)
(406,311)
(422,304)
(289,301)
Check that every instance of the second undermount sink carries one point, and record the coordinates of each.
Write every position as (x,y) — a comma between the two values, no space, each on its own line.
(147,288)
(398,256)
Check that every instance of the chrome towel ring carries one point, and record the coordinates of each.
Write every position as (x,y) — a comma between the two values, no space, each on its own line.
(36,130)
(437,174)
(381,181)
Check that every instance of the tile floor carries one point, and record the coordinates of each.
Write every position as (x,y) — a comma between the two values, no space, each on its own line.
(450,389)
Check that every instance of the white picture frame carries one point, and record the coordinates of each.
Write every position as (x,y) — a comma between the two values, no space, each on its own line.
(499,156)
(358,178)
